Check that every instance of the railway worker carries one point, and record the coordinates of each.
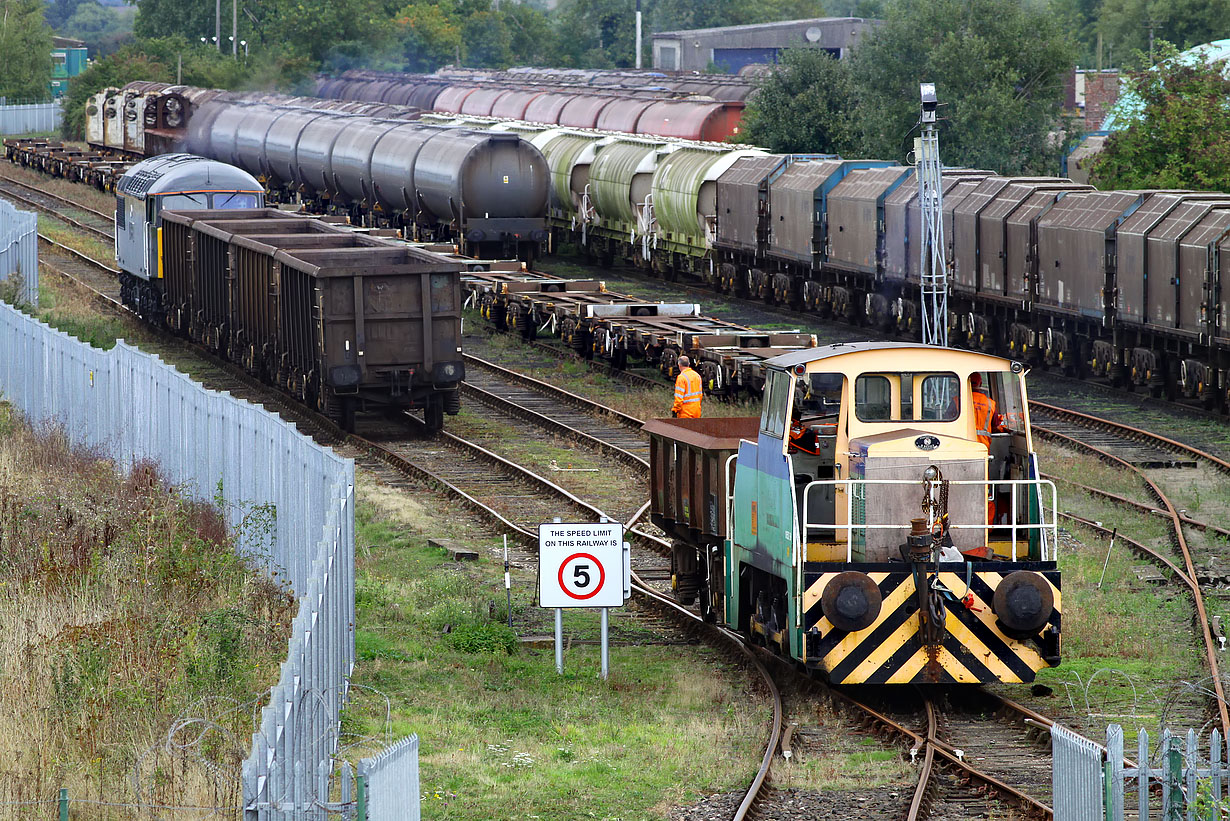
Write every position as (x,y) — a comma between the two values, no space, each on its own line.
(687,391)
(986,417)
(986,420)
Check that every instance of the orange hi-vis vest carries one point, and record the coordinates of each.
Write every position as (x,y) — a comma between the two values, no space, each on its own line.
(687,395)
(984,411)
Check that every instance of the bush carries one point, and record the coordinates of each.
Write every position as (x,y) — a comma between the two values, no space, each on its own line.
(483,637)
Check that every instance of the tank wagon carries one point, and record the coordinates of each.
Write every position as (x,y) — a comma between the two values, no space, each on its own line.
(802,527)
(484,190)
(340,320)
(703,109)
(1125,286)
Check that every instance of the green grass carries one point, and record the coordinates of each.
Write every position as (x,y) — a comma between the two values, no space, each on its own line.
(71,313)
(501,734)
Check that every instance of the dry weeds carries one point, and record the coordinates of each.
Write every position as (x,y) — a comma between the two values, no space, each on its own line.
(133,640)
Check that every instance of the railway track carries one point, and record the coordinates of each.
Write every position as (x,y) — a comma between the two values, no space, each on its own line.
(478,478)
(951,780)
(95,223)
(1133,451)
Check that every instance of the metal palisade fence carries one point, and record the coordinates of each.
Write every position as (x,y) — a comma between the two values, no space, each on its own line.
(29,118)
(19,251)
(389,783)
(1092,782)
(134,408)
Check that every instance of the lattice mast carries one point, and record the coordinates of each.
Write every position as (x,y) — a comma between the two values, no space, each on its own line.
(933,262)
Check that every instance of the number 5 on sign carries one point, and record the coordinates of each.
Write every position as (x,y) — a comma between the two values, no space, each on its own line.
(581,565)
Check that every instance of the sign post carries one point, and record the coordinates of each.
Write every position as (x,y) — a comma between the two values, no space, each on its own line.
(582,565)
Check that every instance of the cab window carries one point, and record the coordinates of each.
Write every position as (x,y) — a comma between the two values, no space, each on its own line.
(907,396)
(184,202)
(873,398)
(235,200)
(776,405)
(820,394)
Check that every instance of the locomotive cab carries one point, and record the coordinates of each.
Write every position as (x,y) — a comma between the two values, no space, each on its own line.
(170,182)
(883,520)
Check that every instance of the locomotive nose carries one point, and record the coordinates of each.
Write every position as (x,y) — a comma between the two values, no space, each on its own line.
(1023,601)
(851,601)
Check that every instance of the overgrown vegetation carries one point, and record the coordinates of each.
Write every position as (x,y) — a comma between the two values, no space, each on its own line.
(501,734)
(1181,135)
(134,640)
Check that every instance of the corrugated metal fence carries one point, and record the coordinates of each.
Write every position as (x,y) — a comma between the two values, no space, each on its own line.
(1175,782)
(19,251)
(29,118)
(135,408)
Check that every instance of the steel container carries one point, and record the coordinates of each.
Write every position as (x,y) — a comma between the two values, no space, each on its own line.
(282,143)
(424,95)
(965,242)
(352,157)
(798,198)
(545,108)
(569,156)
(691,120)
(451,98)
(225,128)
(513,104)
(314,153)
(1077,237)
(468,175)
(480,102)
(623,115)
(744,219)
(250,139)
(620,180)
(1021,237)
(1197,287)
(583,112)
(392,165)
(903,223)
(855,216)
(993,233)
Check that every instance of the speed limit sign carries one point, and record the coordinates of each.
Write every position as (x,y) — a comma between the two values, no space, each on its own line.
(581,565)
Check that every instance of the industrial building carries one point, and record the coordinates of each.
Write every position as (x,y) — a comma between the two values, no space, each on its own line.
(733,47)
(68,59)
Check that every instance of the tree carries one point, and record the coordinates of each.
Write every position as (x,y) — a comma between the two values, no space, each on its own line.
(596,33)
(998,65)
(1182,136)
(806,105)
(1126,23)
(101,27)
(485,40)
(57,12)
(25,50)
(428,37)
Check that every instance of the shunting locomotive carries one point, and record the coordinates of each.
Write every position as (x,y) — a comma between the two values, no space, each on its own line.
(883,521)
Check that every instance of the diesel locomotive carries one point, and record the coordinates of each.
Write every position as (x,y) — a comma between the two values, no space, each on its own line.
(882,522)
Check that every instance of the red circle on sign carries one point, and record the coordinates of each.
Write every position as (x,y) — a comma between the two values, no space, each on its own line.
(601,576)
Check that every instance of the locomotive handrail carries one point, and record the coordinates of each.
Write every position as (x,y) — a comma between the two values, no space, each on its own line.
(1047,529)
